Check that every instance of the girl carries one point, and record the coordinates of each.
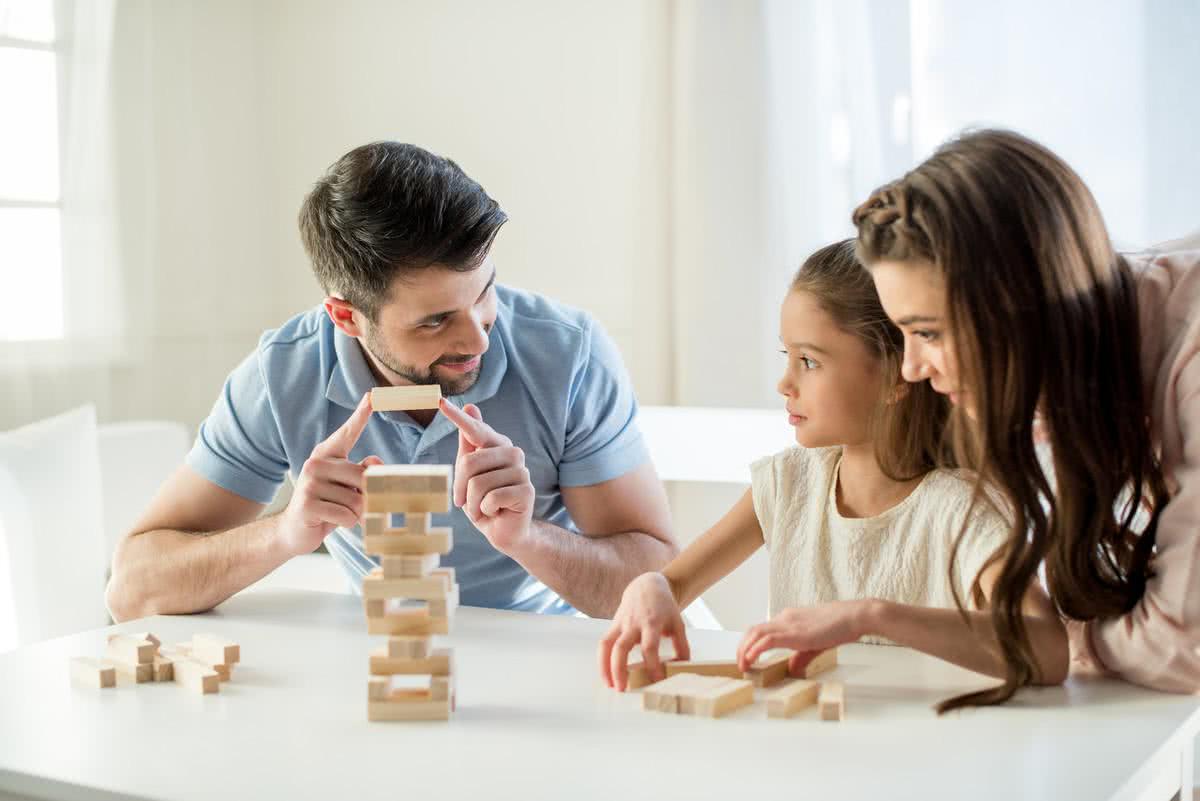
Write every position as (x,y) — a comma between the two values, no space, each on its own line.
(859,524)
(993,259)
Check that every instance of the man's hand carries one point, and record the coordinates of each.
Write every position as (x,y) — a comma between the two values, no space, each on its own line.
(491,482)
(329,491)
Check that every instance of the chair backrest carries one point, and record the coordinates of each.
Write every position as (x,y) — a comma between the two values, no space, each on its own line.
(135,459)
(52,564)
(690,443)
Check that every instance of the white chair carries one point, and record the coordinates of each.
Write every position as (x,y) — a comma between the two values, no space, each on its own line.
(51,553)
(135,458)
(695,444)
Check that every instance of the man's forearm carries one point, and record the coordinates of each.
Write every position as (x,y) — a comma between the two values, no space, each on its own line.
(970,644)
(590,572)
(178,572)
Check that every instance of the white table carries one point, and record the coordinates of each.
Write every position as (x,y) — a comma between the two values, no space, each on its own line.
(534,722)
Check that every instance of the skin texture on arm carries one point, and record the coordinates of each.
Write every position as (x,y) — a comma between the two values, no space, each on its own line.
(942,633)
(650,607)
(198,543)
(625,522)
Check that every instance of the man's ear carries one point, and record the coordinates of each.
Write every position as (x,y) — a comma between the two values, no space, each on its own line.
(348,319)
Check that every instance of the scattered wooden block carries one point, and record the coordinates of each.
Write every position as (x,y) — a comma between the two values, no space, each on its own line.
(435,586)
(223,671)
(409,710)
(791,698)
(131,649)
(664,696)
(770,672)
(726,669)
(140,673)
(192,673)
(405,566)
(438,663)
(405,399)
(821,663)
(832,700)
(215,650)
(720,697)
(408,647)
(93,673)
(436,540)
(164,669)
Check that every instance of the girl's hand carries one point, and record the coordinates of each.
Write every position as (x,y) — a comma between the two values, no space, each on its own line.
(648,612)
(808,631)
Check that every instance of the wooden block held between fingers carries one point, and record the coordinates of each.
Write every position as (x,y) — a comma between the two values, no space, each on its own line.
(93,673)
(832,700)
(404,399)
(821,663)
(723,668)
(791,698)
(769,672)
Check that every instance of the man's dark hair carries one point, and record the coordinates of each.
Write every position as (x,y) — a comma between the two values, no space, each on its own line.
(386,208)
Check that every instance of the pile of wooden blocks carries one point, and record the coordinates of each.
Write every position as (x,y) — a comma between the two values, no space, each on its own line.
(408,572)
(200,665)
(716,688)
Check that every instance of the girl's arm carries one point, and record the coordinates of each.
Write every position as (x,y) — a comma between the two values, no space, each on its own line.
(943,633)
(650,607)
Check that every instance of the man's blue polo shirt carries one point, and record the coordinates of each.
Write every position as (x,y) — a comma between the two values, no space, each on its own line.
(551,380)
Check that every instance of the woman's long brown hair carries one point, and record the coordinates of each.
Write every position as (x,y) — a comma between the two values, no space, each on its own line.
(1044,319)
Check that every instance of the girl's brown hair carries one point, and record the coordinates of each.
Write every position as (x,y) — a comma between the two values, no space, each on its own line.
(1044,319)
(910,420)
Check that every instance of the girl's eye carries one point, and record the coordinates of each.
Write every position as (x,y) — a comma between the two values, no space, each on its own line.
(928,336)
(808,363)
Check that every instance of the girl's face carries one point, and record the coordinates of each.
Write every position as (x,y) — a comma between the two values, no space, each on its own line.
(832,382)
(914,296)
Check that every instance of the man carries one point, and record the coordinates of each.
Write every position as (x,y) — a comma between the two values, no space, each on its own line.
(556,504)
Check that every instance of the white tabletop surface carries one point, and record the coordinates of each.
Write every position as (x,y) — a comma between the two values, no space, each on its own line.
(534,721)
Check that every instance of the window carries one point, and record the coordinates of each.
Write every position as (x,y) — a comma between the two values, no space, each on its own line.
(31,272)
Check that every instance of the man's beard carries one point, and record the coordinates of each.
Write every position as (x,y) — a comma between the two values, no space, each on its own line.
(418,375)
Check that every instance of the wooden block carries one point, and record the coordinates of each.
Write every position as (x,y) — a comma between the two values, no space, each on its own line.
(408,621)
(374,607)
(417,479)
(664,696)
(375,524)
(438,502)
(791,698)
(192,673)
(417,522)
(95,673)
(822,663)
(638,676)
(437,540)
(428,588)
(138,635)
(401,710)
(726,669)
(720,698)
(442,608)
(405,566)
(441,688)
(769,672)
(164,669)
(404,399)
(832,700)
(438,663)
(131,649)
(408,647)
(140,673)
(377,688)
(215,650)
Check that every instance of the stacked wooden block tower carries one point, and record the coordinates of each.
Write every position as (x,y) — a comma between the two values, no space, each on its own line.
(409,573)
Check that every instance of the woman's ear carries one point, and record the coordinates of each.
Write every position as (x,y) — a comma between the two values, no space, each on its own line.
(344,316)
